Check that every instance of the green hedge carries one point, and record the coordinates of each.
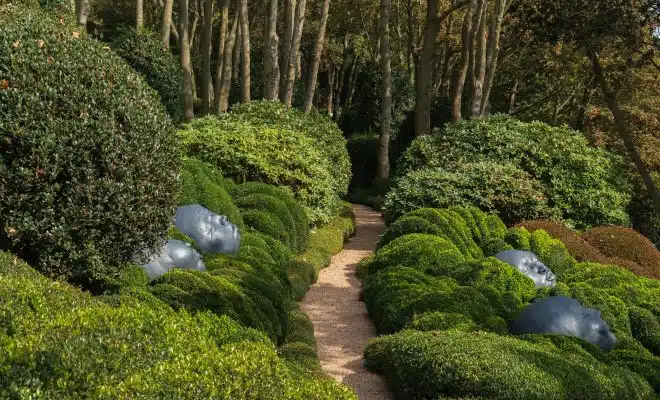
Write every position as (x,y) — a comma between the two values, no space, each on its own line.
(582,184)
(65,344)
(263,203)
(81,191)
(454,364)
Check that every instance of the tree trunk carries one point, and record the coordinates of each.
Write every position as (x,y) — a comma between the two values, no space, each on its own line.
(227,67)
(206,56)
(245,59)
(238,49)
(221,54)
(626,135)
(285,52)
(139,14)
(352,78)
(166,23)
(461,74)
(412,69)
(332,76)
(294,53)
(492,54)
(383,172)
(479,62)
(316,60)
(82,12)
(186,64)
(271,62)
(512,99)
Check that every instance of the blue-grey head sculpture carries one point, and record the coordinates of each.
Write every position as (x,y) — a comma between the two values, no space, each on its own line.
(174,254)
(529,265)
(564,316)
(212,233)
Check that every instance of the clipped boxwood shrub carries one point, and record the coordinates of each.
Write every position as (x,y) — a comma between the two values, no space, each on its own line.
(485,365)
(615,241)
(264,203)
(323,131)
(407,225)
(80,189)
(266,153)
(300,328)
(269,224)
(518,238)
(66,344)
(493,187)
(301,354)
(441,321)
(281,193)
(144,51)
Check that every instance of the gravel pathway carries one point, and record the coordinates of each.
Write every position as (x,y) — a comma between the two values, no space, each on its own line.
(341,325)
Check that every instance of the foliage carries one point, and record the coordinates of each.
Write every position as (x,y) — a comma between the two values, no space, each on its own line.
(62,343)
(325,134)
(80,190)
(276,209)
(487,365)
(582,184)
(363,150)
(493,187)
(518,238)
(143,50)
(628,244)
(441,321)
(267,153)
(300,329)
(269,224)
(407,225)
(301,354)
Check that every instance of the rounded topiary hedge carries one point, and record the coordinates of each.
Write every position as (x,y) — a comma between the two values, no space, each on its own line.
(89,161)
(144,51)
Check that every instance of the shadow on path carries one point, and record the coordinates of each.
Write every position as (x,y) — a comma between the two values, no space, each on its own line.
(341,325)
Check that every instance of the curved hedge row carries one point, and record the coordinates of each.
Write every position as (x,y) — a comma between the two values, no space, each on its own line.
(465,301)
(65,344)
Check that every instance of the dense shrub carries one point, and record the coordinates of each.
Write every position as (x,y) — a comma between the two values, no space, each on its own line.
(263,203)
(485,365)
(270,224)
(301,354)
(296,210)
(266,153)
(518,238)
(300,329)
(615,241)
(144,52)
(441,321)
(493,187)
(324,132)
(203,185)
(407,225)
(582,184)
(551,252)
(80,189)
(59,342)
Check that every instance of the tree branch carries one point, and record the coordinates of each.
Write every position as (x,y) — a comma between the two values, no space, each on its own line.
(439,18)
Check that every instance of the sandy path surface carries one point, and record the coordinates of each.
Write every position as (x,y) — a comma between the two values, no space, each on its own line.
(341,325)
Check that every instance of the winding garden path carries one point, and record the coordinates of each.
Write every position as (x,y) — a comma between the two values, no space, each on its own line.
(341,325)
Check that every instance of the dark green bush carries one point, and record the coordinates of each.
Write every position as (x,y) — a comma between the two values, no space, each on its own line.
(645,366)
(144,52)
(263,203)
(493,187)
(454,364)
(518,238)
(406,225)
(297,211)
(645,328)
(323,131)
(494,246)
(300,329)
(80,189)
(441,321)
(552,252)
(66,344)
(266,153)
(581,183)
(269,224)
(301,354)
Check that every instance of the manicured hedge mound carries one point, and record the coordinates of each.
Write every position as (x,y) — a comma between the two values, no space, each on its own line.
(320,128)
(454,364)
(582,184)
(61,343)
(144,52)
(246,149)
(89,159)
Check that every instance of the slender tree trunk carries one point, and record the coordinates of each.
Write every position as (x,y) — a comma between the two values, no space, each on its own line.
(221,55)
(479,62)
(271,62)
(626,135)
(166,23)
(227,67)
(316,60)
(512,98)
(285,52)
(350,92)
(245,59)
(294,53)
(332,77)
(82,12)
(139,14)
(186,64)
(493,52)
(383,172)
(459,81)
(206,56)
(412,69)
(238,49)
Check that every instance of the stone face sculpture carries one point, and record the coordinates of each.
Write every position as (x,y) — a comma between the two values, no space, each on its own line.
(174,254)
(212,233)
(564,316)
(529,265)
